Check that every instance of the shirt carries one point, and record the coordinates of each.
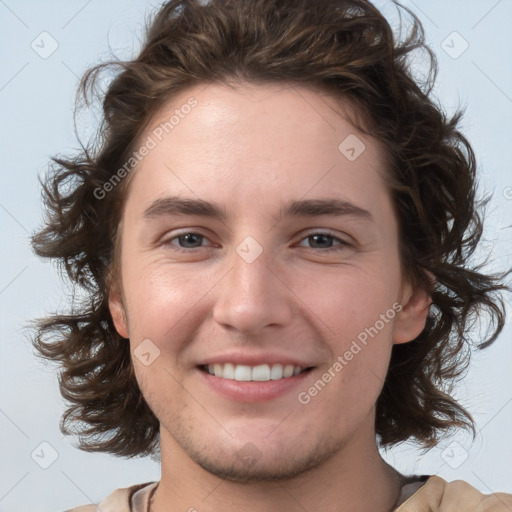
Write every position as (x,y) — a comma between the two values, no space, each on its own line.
(424,493)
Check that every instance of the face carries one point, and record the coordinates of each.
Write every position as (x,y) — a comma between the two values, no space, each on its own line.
(258,240)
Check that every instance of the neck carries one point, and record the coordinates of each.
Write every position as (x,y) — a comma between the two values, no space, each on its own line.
(354,478)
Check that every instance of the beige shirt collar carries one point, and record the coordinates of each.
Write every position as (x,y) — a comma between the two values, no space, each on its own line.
(435,495)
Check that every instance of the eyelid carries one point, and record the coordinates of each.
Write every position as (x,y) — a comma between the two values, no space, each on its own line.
(323,231)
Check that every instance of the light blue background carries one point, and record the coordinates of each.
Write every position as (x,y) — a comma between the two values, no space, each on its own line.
(36,102)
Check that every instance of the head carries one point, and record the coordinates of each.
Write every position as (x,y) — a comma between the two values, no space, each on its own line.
(267,111)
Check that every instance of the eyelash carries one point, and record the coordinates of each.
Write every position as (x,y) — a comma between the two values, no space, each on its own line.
(341,245)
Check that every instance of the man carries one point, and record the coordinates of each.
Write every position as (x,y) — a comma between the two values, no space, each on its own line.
(274,237)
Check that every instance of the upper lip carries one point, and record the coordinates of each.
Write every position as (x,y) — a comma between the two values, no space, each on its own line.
(254,359)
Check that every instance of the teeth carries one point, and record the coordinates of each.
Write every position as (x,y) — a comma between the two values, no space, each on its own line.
(276,372)
(243,372)
(262,372)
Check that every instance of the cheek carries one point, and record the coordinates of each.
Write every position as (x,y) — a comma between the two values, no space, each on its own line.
(361,352)
(161,300)
(358,309)
(352,299)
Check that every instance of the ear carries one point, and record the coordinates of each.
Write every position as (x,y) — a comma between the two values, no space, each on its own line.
(410,321)
(118,312)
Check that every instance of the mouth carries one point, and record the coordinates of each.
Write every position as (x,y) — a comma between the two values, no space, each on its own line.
(258,373)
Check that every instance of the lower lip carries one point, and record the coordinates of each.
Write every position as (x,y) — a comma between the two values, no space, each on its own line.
(253,391)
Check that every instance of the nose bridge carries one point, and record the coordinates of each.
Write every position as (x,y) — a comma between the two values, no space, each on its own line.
(252,268)
(252,296)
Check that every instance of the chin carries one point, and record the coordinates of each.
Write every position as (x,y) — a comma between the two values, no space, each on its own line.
(263,461)
(251,469)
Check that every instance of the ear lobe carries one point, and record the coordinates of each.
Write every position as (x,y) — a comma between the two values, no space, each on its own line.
(411,320)
(118,312)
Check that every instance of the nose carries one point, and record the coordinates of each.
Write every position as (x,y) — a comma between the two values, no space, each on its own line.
(254,295)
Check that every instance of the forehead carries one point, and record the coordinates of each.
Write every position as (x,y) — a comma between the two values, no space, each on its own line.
(258,141)
(257,114)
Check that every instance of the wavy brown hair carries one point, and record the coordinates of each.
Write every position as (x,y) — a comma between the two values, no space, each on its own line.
(348,48)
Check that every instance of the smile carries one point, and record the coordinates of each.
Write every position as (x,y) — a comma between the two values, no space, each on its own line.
(260,373)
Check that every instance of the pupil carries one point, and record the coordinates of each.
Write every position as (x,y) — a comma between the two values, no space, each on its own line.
(189,238)
(324,237)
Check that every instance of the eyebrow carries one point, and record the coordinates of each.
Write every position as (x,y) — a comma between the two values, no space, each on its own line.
(175,205)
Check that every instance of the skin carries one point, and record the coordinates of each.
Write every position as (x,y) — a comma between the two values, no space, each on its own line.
(251,149)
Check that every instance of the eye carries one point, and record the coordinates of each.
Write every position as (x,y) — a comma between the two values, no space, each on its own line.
(186,241)
(324,240)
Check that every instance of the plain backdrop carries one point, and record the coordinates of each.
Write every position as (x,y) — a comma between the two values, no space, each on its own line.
(45,47)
